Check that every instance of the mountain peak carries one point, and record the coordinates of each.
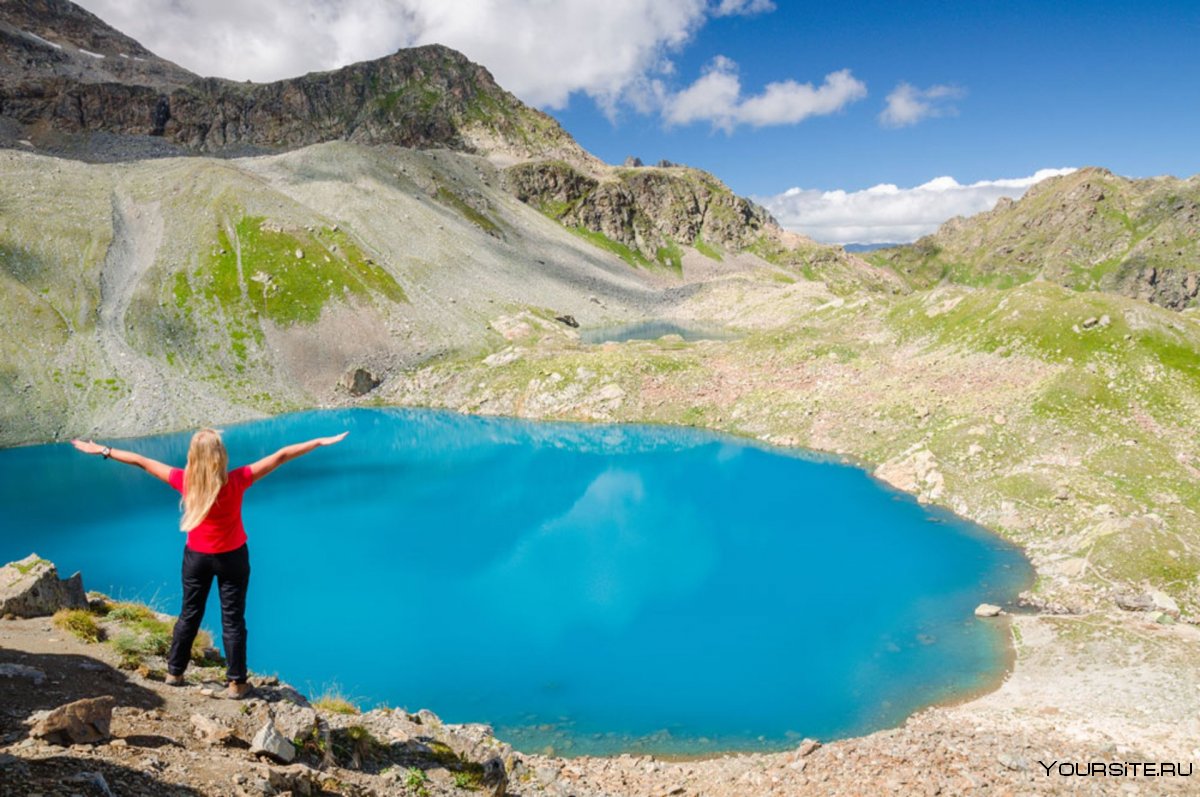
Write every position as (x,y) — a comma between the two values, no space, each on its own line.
(75,86)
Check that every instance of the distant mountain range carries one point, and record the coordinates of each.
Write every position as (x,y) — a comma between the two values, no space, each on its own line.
(1089,230)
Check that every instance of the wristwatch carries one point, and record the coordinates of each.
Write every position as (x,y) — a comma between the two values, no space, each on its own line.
(106,452)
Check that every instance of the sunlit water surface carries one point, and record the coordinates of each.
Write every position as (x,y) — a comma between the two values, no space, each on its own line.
(591,588)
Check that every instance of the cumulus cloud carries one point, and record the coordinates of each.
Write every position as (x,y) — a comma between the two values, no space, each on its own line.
(620,54)
(907,104)
(731,8)
(541,51)
(888,214)
(716,97)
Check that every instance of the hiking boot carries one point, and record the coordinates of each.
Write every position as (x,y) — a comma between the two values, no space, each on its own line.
(236,691)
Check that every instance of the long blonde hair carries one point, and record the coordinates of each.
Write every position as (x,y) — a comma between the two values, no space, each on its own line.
(203,478)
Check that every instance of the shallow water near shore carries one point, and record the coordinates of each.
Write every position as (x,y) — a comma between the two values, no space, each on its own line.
(594,589)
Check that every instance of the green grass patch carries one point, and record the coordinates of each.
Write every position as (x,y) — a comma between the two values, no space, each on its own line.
(1141,555)
(706,249)
(25,569)
(81,623)
(286,275)
(448,197)
(128,612)
(631,256)
(670,256)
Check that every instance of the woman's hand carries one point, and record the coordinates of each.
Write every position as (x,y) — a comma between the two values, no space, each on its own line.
(328,441)
(87,446)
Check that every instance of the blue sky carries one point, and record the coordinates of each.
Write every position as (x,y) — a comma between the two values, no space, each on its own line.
(1008,89)
(1046,85)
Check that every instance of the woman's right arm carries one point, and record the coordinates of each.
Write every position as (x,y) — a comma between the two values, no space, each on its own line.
(152,466)
(270,463)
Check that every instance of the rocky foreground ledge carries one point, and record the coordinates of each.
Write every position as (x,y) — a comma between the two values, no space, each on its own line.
(1102,706)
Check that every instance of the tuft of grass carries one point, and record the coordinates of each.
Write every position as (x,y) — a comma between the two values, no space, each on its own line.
(468,781)
(334,701)
(204,651)
(79,622)
(130,649)
(128,612)
(415,781)
(357,745)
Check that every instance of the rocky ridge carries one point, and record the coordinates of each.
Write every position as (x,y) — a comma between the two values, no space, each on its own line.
(72,85)
(1089,230)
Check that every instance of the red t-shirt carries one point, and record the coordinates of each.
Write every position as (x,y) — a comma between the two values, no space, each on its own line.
(221,530)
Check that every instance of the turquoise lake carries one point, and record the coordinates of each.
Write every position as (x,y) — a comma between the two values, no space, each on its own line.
(592,588)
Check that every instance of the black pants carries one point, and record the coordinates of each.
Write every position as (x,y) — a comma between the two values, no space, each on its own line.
(232,571)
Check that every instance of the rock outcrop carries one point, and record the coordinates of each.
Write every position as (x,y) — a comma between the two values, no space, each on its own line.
(32,588)
(644,208)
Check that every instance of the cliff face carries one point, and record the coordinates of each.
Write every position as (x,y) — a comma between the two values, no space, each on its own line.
(1090,230)
(644,208)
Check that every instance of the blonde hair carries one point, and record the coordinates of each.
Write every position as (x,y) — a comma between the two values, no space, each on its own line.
(203,478)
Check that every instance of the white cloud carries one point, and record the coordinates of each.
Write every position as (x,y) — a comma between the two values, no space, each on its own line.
(538,50)
(907,104)
(888,214)
(716,97)
(731,8)
(618,53)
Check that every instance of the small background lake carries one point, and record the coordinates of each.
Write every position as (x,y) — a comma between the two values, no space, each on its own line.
(593,588)
(652,330)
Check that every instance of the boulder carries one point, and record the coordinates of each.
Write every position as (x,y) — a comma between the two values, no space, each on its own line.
(476,744)
(359,381)
(806,747)
(988,610)
(1164,602)
(293,721)
(210,730)
(270,742)
(569,320)
(1135,603)
(85,721)
(32,588)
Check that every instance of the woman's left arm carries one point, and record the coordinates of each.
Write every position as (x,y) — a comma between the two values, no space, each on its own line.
(155,468)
